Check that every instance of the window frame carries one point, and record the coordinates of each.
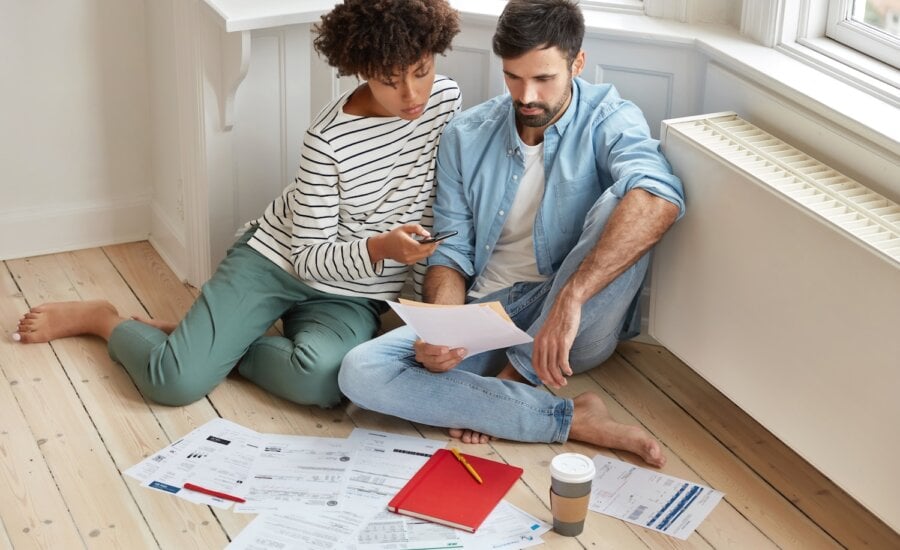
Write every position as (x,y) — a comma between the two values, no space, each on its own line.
(841,27)
(800,27)
(630,6)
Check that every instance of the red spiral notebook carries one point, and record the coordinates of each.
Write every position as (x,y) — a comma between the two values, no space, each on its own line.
(443,491)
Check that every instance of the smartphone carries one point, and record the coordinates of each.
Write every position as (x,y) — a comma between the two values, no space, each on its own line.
(438,237)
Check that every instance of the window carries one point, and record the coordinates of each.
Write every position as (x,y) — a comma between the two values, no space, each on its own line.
(869,26)
(855,41)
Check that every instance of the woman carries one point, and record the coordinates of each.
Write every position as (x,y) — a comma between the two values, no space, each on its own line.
(326,253)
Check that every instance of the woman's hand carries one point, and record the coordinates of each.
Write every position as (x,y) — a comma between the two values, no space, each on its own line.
(398,244)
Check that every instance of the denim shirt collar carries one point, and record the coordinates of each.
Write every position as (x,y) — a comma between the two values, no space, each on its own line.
(512,137)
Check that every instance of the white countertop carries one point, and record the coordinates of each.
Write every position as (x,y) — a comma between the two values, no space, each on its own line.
(246,15)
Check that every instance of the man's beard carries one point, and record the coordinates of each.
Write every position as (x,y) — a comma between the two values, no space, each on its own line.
(542,119)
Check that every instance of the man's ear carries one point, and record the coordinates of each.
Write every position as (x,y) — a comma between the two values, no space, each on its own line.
(578,64)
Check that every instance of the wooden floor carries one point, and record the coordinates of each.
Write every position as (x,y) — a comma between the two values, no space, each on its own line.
(71,420)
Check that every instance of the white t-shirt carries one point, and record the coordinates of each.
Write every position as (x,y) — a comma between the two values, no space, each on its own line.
(513,257)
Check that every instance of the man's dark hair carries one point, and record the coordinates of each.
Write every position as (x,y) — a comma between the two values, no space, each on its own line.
(375,38)
(526,25)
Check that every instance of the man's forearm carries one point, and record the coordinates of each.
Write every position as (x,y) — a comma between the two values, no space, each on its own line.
(444,285)
(637,223)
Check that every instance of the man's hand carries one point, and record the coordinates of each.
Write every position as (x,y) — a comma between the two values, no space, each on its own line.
(398,244)
(553,342)
(438,358)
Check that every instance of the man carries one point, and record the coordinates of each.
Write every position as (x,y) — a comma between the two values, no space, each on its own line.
(557,193)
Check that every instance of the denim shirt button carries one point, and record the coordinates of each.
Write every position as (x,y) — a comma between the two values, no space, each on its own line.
(502,212)
(486,247)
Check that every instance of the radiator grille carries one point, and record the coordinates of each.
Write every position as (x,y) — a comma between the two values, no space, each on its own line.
(860,212)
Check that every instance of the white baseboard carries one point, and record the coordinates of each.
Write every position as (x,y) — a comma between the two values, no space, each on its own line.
(168,242)
(644,337)
(33,232)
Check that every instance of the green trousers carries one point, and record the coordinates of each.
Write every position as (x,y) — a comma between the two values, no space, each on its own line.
(227,325)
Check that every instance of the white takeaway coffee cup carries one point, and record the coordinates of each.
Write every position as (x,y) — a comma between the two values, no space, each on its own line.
(570,492)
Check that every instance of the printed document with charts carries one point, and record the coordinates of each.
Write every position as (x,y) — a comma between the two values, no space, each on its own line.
(476,327)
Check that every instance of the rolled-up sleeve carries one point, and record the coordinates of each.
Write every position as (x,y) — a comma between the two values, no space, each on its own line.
(632,156)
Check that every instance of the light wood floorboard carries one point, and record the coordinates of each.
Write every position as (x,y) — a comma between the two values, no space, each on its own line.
(72,420)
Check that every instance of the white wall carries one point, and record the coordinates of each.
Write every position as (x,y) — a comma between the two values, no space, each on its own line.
(167,209)
(74,122)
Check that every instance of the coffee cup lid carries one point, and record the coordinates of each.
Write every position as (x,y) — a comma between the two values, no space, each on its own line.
(572,468)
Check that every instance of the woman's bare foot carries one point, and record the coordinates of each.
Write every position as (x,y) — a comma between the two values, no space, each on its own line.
(48,322)
(592,423)
(166,326)
(469,436)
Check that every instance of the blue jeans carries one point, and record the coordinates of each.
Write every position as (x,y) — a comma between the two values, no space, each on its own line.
(383,374)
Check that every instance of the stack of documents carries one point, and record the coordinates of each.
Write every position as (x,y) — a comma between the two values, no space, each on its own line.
(318,492)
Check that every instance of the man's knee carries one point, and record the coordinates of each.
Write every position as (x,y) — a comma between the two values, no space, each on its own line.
(356,375)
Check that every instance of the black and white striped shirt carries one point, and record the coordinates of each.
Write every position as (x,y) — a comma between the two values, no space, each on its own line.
(358,177)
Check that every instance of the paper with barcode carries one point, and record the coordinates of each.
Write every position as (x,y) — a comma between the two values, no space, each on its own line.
(650,499)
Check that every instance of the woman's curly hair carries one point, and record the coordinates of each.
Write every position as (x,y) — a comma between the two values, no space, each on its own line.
(375,38)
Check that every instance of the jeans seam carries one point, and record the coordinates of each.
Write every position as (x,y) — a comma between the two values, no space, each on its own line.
(544,411)
(520,306)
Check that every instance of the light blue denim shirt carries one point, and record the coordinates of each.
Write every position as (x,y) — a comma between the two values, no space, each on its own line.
(601,142)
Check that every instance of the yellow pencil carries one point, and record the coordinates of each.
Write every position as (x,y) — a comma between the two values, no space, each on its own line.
(465,463)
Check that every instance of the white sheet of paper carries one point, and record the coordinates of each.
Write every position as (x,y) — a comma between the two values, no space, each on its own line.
(145,470)
(650,499)
(475,327)
(389,531)
(295,472)
(296,532)
(217,455)
(506,528)
(382,464)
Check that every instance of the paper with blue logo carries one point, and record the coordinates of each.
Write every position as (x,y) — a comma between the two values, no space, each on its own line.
(649,498)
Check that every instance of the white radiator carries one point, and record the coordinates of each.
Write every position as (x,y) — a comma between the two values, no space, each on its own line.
(781,287)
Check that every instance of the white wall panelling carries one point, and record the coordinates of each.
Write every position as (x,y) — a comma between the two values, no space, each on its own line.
(661,79)
(273,105)
(472,63)
(650,90)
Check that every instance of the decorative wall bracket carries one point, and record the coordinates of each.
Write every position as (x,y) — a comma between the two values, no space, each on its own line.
(226,59)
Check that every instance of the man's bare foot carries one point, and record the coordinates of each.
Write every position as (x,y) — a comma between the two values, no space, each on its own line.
(469,436)
(61,319)
(510,373)
(592,423)
(166,326)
